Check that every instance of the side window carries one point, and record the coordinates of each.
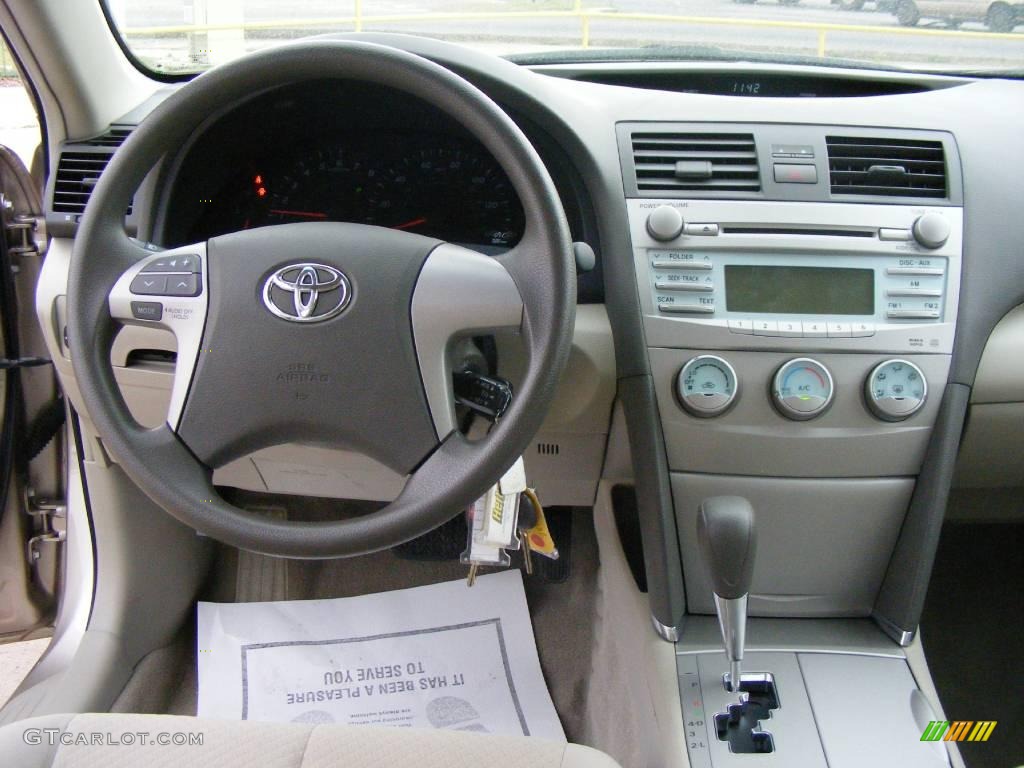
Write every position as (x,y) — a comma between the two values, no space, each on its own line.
(19,126)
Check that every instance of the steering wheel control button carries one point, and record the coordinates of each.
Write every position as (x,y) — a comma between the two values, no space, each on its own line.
(306,293)
(895,390)
(147,310)
(183,285)
(664,223)
(802,389)
(187,263)
(149,285)
(931,230)
(707,386)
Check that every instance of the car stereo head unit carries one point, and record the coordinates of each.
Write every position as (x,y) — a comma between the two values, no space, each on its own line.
(797,275)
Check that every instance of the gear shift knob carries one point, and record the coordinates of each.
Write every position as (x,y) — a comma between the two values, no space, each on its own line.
(728,543)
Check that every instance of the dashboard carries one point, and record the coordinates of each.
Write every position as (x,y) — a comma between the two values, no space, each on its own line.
(771,284)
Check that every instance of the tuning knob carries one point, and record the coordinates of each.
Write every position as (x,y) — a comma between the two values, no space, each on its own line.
(931,230)
(664,223)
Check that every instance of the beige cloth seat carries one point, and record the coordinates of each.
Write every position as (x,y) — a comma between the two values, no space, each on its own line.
(132,741)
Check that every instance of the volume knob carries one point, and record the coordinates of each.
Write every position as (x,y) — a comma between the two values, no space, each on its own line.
(931,230)
(664,223)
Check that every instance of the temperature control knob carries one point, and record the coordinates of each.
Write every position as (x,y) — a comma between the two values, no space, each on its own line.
(707,386)
(895,390)
(931,230)
(802,389)
(664,223)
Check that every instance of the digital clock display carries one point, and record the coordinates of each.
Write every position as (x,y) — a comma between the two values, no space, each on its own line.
(746,88)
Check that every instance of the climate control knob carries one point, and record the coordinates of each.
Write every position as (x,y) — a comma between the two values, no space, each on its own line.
(707,386)
(931,230)
(664,223)
(802,389)
(895,390)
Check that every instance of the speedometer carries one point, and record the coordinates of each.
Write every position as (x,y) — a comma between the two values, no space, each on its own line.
(450,192)
(325,185)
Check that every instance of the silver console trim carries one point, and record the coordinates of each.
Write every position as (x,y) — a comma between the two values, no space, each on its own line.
(669,634)
(666,328)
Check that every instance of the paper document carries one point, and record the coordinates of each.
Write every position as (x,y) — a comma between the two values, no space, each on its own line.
(441,656)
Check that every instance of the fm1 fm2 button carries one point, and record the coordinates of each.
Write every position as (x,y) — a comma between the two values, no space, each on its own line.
(147,310)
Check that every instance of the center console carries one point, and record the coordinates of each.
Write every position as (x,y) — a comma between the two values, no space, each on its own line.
(799,291)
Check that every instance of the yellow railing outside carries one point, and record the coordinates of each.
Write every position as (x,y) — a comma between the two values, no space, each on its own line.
(359,20)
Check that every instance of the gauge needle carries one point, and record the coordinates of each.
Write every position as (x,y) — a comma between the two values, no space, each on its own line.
(411,224)
(303,214)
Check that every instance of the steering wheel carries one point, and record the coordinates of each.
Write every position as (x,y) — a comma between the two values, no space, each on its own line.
(329,334)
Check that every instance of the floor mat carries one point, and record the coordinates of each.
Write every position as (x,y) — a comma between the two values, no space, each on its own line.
(563,614)
(443,656)
(973,634)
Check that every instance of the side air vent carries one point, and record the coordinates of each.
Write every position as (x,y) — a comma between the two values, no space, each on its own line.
(77,175)
(113,138)
(886,167)
(686,163)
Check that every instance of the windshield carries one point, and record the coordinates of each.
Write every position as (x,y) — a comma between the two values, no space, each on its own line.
(188,36)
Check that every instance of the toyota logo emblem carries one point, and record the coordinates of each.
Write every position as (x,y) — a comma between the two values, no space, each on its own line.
(306,293)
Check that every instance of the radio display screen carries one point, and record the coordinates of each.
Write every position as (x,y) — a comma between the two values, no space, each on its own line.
(799,290)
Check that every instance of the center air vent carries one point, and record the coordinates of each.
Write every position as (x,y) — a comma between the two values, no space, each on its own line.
(695,163)
(886,167)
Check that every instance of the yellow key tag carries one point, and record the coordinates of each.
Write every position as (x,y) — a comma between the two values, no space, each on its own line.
(539,537)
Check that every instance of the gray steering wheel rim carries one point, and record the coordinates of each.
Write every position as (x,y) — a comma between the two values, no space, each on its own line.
(457,472)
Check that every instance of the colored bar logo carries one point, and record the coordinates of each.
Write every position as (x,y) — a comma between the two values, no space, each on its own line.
(959,730)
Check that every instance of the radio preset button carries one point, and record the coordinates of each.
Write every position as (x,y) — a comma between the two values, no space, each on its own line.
(687,309)
(766,328)
(839,330)
(815,330)
(790,328)
(862,330)
(679,285)
(745,327)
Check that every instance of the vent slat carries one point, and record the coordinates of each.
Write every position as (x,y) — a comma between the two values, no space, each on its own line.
(850,160)
(731,160)
(76,177)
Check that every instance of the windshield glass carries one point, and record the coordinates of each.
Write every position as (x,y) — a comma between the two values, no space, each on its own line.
(188,36)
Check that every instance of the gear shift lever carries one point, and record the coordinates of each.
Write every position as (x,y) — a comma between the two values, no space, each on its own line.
(728,543)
